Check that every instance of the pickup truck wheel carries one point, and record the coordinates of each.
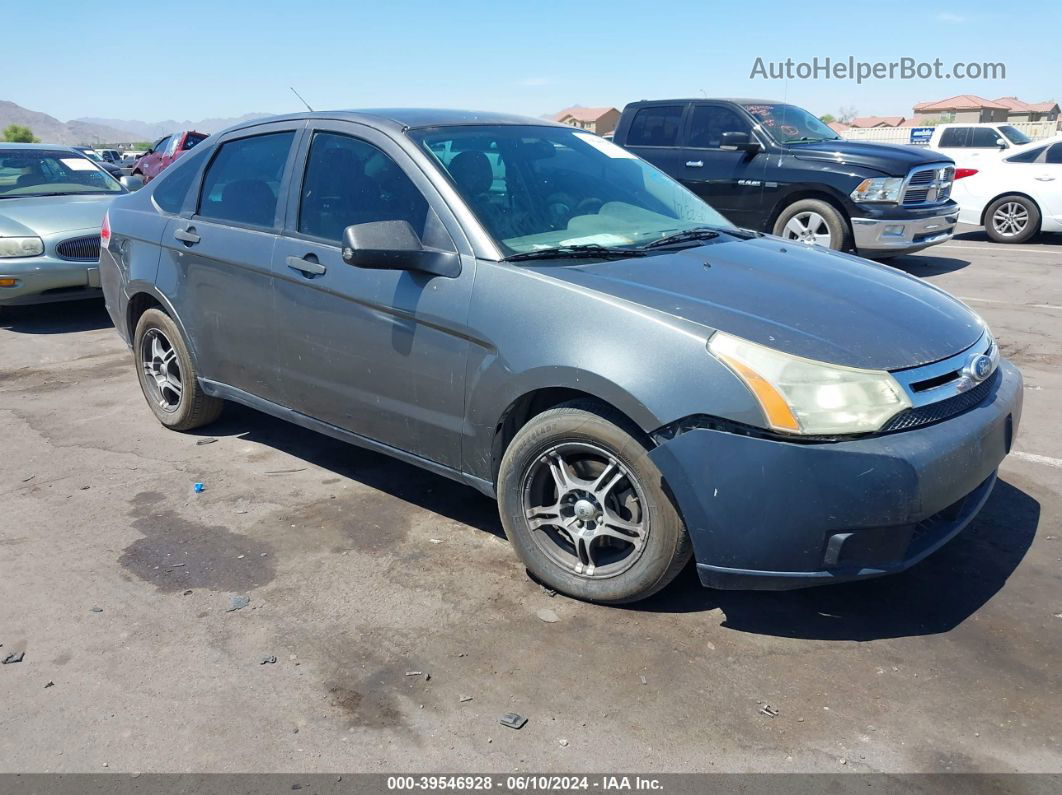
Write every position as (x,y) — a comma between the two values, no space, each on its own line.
(813,222)
(585,509)
(168,377)
(1012,219)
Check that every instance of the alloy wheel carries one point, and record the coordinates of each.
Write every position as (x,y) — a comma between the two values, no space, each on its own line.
(1010,219)
(585,510)
(808,227)
(158,358)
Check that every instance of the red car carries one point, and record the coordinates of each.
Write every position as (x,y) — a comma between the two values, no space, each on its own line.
(164,151)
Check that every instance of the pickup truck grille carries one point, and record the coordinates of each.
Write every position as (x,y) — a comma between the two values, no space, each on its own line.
(928,185)
(80,249)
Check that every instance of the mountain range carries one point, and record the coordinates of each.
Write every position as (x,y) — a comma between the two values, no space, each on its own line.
(98,130)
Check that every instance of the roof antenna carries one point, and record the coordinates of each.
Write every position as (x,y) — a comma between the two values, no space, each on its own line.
(303,101)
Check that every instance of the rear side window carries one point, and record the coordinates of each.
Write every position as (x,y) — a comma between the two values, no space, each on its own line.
(242,183)
(954,137)
(656,126)
(1028,157)
(709,122)
(1054,154)
(191,140)
(349,181)
(174,182)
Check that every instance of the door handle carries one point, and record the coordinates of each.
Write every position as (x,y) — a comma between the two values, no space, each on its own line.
(310,267)
(186,235)
(1045,178)
(694,164)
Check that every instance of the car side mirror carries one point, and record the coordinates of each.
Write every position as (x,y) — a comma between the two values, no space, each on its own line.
(733,140)
(131,183)
(394,245)
(1001,144)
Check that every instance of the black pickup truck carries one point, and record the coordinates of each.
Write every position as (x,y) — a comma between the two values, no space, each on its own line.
(777,168)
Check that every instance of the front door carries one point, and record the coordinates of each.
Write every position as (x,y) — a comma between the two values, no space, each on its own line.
(731,181)
(218,257)
(380,353)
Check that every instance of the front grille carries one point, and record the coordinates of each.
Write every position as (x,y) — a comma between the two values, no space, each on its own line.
(929,185)
(943,409)
(80,249)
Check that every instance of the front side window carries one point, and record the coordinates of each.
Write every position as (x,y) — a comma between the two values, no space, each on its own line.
(537,187)
(789,124)
(656,126)
(1014,135)
(709,122)
(242,183)
(985,138)
(349,181)
(159,147)
(43,172)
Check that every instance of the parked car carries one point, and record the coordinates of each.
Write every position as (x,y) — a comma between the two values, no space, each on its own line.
(777,168)
(52,202)
(110,155)
(973,143)
(94,156)
(533,311)
(1017,197)
(164,151)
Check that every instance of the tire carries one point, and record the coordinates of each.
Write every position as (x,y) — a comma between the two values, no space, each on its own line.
(1012,219)
(159,347)
(600,559)
(809,221)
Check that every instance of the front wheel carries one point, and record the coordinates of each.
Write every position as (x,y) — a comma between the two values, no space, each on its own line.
(167,375)
(813,222)
(1012,219)
(585,508)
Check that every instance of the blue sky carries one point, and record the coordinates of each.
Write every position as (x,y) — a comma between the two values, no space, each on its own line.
(194,59)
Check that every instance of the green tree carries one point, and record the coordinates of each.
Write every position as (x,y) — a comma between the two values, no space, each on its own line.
(17,134)
(826,118)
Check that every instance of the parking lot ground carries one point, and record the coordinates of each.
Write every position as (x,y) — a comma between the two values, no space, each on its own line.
(116,579)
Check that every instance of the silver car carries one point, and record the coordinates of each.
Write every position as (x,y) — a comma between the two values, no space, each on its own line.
(52,202)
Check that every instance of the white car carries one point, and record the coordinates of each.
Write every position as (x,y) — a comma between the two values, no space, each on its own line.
(1016,197)
(974,143)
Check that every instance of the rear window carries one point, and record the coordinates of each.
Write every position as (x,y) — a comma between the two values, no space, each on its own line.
(173,184)
(1054,154)
(1027,157)
(192,140)
(242,183)
(656,126)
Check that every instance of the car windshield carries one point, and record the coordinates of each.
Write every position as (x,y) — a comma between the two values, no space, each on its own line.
(43,172)
(1016,136)
(535,188)
(91,154)
(789,124)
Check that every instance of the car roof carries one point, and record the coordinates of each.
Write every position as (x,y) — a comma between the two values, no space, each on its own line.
(400,119)
(49,147)
(735,100)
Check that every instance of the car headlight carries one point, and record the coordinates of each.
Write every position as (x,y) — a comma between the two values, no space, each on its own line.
(21,247)
(803,396)
(879,189)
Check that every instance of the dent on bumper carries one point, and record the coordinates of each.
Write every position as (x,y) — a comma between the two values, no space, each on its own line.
(772,514)
(896,235)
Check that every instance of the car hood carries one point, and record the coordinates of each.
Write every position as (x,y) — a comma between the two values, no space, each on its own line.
(809,302)
(46,215)
(894,160)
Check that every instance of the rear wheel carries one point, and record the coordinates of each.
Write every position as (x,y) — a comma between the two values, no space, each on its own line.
(585,509)
(1012,219)
(813,222)
(168,377)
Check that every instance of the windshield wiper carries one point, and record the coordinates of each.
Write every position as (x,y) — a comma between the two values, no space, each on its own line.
(808,140)
(573,251)
(682,237)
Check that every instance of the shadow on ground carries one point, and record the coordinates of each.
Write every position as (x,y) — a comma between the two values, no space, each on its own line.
(926,265)
(61,318)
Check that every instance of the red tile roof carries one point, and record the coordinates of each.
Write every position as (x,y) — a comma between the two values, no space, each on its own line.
(877,121)
(838,126)
(961,102)
(582,114)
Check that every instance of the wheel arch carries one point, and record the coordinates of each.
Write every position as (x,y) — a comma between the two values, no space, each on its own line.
(1007,194)
(144,297)
(801,194)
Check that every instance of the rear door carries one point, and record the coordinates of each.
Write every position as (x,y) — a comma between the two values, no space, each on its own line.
(380,353)
(731,181)
(217,256)
(654,135)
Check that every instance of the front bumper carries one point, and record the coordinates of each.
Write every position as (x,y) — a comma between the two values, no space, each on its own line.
(45,279)
(891,236)
(774,515)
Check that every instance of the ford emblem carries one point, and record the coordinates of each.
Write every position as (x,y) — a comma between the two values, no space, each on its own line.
(978,367)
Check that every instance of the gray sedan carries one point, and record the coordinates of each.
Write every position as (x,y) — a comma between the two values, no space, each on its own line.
(52,203)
